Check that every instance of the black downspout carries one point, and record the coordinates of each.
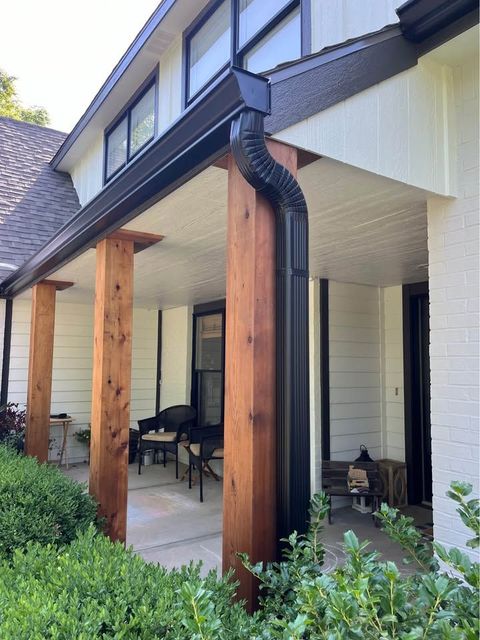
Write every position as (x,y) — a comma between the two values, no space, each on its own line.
(7,341)
(281,189)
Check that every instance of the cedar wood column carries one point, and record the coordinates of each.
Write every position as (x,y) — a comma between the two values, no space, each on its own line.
(40,370)
(112,354)
(249,520)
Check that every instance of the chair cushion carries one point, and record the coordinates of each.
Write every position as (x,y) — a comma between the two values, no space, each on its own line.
(162,436)
(195,449)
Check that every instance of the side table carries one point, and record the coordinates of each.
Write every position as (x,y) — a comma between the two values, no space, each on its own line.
(393,474)
(65,422)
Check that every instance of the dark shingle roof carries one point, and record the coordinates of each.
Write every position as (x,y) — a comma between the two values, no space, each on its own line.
(35,200)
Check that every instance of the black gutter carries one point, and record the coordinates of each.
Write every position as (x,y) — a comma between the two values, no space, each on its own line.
(125,61)
(158,389)
(421,19)
(7,342)
(193,142)
(281,189)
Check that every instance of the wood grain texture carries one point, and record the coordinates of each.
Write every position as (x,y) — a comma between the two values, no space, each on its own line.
(141,240)
(249,523)
(40,370)
(112,360)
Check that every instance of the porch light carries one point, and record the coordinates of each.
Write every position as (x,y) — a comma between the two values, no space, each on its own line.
(363,457)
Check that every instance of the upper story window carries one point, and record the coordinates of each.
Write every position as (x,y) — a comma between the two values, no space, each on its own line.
(209,48)
(255,34)
(131,131)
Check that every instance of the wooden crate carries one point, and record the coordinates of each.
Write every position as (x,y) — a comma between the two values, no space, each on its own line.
(393,474)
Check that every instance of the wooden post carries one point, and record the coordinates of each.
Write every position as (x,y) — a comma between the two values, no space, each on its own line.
(112,354)
(40,370)
(249,520)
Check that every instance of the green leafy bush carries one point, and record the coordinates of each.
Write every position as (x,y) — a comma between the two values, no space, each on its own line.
(94,588)
(369,599)
(38,503)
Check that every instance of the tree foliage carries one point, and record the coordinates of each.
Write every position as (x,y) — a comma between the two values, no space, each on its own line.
(11,107)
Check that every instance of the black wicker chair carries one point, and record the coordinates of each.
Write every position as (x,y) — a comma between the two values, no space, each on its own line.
(206,443)
(164,431)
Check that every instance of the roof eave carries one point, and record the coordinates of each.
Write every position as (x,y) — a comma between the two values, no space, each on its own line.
(190,144)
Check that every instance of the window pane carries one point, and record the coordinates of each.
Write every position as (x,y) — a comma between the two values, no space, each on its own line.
(117,147)
(209,342)
(210,397)
(210,48)
(142,125)
(280,45)
(254,14)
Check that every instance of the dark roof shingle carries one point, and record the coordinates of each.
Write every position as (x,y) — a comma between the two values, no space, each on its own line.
(35,200)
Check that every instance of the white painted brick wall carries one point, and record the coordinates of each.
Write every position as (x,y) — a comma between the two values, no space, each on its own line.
(453,242)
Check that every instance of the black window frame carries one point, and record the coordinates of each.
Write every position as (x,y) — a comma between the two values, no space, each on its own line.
(217,307)
(150,81)
(237,53)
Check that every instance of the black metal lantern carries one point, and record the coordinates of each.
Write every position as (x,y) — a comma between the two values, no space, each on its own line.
(363,457)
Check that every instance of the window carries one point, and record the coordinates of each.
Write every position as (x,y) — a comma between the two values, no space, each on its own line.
(255,34)
(208,48)
(255,14)
(282,44)
(131,131)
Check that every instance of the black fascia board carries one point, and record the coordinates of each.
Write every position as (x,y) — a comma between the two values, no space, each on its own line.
(319,81)
(199,136)
(420,19)
(123,64)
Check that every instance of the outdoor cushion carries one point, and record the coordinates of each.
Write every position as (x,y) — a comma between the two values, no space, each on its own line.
(162,436)
(195,449)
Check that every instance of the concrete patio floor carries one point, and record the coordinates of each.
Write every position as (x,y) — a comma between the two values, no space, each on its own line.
(168,525)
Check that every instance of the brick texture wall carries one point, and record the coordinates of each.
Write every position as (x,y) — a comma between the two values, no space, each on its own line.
(453,243)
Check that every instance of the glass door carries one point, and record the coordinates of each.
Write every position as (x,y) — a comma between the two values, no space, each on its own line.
(208,367)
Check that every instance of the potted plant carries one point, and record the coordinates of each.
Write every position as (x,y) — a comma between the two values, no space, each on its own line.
(85,435)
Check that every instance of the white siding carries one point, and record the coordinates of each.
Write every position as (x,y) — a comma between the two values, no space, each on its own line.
(453,243)
(176,356)
(170,85)
(2,328)
(399,128)
(355,376)
(87,174)
(334,21)
(392,373)
(72,366)
(315,411)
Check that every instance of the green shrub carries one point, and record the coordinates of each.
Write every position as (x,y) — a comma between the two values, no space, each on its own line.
(94,588)
(38,503)
(369,599)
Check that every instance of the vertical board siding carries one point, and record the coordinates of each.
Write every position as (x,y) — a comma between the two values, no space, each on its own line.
(176,356)
(334,21)
(355,372)
(72,367)
(87,175)
(358,131)
(392,371)
(170,85)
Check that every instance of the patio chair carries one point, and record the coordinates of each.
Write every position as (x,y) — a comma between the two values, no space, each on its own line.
(164,431)
(206,444)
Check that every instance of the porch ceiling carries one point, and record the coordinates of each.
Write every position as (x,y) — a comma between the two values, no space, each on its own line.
(364,228)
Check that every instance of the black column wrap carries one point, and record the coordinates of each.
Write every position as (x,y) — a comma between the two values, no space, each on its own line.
(282,190)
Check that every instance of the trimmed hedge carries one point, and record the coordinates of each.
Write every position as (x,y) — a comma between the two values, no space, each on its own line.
(96,589)
(38,503)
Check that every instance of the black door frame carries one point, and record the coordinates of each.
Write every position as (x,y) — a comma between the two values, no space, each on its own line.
(200,310)
(413,455)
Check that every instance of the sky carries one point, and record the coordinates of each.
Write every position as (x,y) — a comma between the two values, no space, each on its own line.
(62,51)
